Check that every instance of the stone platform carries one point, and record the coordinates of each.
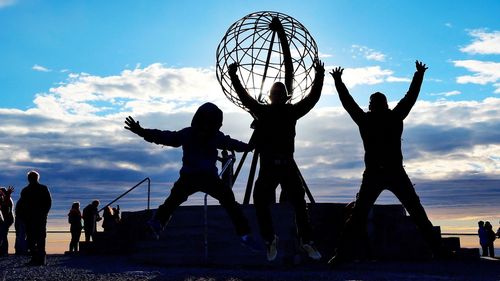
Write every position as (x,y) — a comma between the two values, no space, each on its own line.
(392,235)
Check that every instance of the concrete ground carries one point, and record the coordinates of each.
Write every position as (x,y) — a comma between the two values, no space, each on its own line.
(62,267)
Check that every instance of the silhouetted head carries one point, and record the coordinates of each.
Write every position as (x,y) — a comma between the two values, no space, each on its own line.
(108,210)
(488,225)
(278,93)
(33,177)
(208,119)
(378,102)
(95,203)
(75,205)
(480,223)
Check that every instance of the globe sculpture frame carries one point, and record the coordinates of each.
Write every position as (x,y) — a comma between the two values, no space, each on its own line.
(262,61)
(251,44)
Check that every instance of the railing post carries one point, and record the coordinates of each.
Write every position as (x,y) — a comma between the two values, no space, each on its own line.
(149,193)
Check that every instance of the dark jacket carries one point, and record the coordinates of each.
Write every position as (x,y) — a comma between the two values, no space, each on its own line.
(34,203)
(199,142)
(91,217)
(275,123)
(381,131)
(75,220)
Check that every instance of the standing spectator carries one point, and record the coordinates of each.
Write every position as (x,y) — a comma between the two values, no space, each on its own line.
(498,231)
(491,236)
(21,245)
(111,218)
(90,219)
(33,208)
(75,220)
(483,238)
(6,218)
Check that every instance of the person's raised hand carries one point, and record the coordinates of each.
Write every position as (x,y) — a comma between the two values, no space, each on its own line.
(421,67)
(337,72)
(10,190)
(133,126)
(319,66)
(232,68)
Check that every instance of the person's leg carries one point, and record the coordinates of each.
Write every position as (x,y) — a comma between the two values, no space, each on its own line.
(41,237)
(30,239)
(75,237)
(354,231)
(78,235)
(216,188)
(491,249)
(485,250)
(292,186)
(4,243)
(178,194)
(402,187)
(263,196)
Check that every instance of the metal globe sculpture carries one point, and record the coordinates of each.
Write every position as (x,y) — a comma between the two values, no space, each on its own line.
(255,47)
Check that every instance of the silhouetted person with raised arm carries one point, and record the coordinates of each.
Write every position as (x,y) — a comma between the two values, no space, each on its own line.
(199,144)
(6,218)
(90,218)
(33,207)
(275,141)
(381,129)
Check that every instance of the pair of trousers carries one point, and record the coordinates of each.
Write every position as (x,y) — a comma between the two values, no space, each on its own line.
(36,233)
(4,243)
(75,239)
(282,171)
(189,184)
(374,182)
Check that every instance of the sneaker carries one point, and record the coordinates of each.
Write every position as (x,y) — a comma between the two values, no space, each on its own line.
(272,249)
(248,241)
(156,228)
(311,250)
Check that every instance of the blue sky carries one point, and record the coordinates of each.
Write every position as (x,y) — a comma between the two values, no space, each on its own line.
(71,71)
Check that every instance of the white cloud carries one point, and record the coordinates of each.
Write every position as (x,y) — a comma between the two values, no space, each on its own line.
(5,3)
(369,75)
(324,55)
(484,42)
(74,135)
(446,94)
(40,68)
(448,24)
(484,72)
(367,53)
(137,90)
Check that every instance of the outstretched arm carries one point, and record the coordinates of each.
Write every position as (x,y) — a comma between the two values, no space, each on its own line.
(249,102)
(306,104)
(152,135)
(406,103)
(227,143)
(277,27)
(345,97)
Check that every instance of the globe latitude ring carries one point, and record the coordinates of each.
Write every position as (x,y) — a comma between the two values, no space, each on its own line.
(250,43)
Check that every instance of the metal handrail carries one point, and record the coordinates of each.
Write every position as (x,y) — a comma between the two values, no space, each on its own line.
(130,189)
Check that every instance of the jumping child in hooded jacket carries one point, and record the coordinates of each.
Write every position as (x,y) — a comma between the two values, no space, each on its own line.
(199,144)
